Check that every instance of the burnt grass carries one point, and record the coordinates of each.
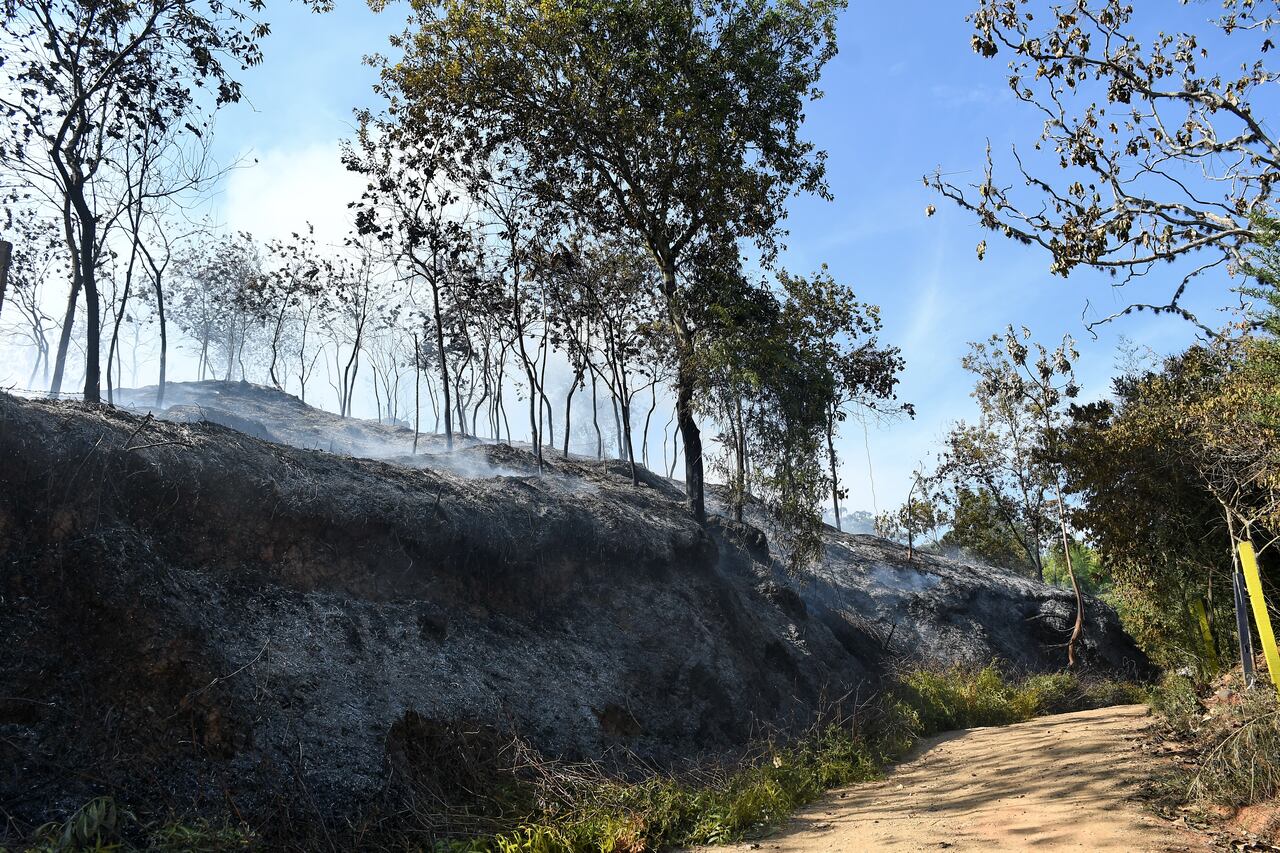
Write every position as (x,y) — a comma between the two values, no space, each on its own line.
(201,622)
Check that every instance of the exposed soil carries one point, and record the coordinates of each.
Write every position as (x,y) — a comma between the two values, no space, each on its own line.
(1066,782)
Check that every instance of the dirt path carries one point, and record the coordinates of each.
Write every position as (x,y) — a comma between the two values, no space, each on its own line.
(1057,783)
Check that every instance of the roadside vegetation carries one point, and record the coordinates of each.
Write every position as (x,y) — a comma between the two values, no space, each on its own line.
(1230,736)
(550,807)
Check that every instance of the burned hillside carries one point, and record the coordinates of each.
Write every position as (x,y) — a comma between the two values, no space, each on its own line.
(198,618)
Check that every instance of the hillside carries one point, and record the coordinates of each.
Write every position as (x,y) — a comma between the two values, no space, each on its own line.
(200,618)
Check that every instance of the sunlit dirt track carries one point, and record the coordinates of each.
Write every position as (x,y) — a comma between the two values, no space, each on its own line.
(1065,782)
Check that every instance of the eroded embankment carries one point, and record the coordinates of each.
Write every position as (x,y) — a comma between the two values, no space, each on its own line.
(197,619)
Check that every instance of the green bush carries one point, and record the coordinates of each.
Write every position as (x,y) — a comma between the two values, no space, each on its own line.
(1175,700)
(959,698)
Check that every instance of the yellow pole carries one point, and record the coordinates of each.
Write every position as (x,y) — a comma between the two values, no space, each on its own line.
(1260,616)
(1210,654)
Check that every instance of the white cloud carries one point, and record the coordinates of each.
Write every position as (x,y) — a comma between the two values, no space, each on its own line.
(288,187)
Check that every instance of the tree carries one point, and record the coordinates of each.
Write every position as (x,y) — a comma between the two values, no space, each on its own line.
(286,298)
(79,80)
(158,167)
(921,513)
(408,208)
(842,331)
(608,322)
(978,529)
(1164,156)
(210,278)
(778,355)
(1136,452)
(6,260)
(354,299)
(675,123)
(988,472)
(1023,391)
(38,255)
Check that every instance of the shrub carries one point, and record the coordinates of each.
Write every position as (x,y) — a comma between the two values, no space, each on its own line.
(1237,742)
(1175,700)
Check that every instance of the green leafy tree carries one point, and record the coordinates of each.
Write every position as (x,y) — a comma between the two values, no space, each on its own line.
(1013,455)
(1141,500)
(978,530)
(842,332)
(922,515)
(676,123)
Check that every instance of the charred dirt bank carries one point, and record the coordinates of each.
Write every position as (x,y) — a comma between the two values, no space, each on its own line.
(198,619)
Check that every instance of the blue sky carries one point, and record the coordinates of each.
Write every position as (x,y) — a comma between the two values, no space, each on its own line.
(905,95)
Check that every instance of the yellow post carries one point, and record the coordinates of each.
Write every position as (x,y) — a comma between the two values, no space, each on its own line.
(1260,616)
(1210,653)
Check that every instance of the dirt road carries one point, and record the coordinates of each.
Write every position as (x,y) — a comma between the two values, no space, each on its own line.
(1057,783)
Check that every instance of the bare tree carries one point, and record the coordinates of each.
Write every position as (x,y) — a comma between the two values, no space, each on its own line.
(79,81)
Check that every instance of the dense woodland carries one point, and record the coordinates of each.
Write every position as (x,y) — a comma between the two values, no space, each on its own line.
(599,190)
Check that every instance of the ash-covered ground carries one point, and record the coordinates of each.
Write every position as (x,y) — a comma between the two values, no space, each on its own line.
(228,620)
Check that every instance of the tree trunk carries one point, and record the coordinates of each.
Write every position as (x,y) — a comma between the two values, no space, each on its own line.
(617,424)
(595,419)
(68,324)
(1077,630)
(119,317)
(164,344)
(568,409)
(417,392)
(275,347)
(444,368)
(691,439)
(690,436)
(89,280)
(835,478)
(630,449)
(653,404)
(64,337)
(740,458)
(6,260)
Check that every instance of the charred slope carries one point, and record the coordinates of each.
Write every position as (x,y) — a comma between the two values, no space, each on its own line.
(199,618)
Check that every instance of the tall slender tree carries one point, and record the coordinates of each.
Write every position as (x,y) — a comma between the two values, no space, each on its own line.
(677,123)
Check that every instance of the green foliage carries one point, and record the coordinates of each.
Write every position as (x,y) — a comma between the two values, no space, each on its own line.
(95,826)
(101,826)
(962,697)
(1000,478)
(587,106)
(978,530)
(1175,700)
(1168,474)
(778,366)
(957,699)
(664,812)
(1087,563)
